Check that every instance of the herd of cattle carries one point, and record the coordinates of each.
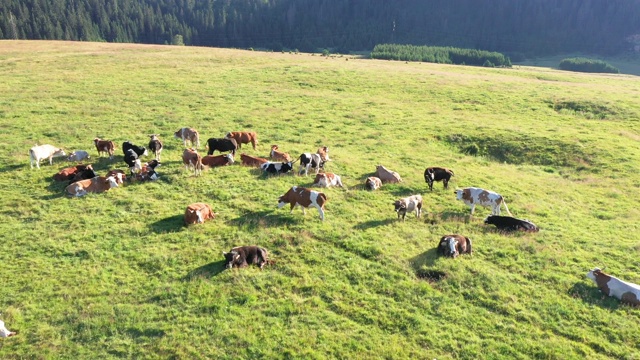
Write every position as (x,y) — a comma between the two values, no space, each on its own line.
(83,180)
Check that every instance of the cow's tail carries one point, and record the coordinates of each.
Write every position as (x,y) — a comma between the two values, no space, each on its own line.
(324,199)
(506,207)
(469,249)
(450,172)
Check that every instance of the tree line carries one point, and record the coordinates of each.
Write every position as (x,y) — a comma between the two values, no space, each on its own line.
(442,55)
(523,27)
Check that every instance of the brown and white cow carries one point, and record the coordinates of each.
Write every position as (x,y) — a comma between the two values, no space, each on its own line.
(244,137)
(217,160)
(327,180)
(242,256)
(41,152)
(188,134)
(305,198)
(625,291)
(324,153)
(192,160)
(278,155)
(67,174)
(454,245)
(97,184)
(252,160)
(119,175)
(155,145)
(473,196)
(387,176)
(373,183)
(105,146)
(198,213)
(408,204)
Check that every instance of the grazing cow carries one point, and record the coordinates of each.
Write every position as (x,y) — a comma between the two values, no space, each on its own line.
(4,332)
(105,146)
(324,153)
(192,160)
(276,168)
(373,183)
(217,160)
(625,291)
(327,180)
(78,155)
(139,150)
(278,155)
(188,134)
(198,213)
(252,160)
(508,223)
(132,160)
(85,174)
(473,196)
(310,161)
(97,184)
(408,204)
(242,256)
(222,145)
(244,137)
(387,176)
(39,153)
(119,175)
(432,174)
(155,145)
(68,173)
(454,245)
(305,198)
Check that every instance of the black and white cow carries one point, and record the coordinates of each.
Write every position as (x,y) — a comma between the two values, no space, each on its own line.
(155,145)
(310,161)
(139,150)
(243,256)
(432,174)
(132,160)
(222,145)
(276,168)
(508,223)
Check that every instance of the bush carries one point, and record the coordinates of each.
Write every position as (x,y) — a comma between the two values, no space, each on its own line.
(177,40)
(587,65)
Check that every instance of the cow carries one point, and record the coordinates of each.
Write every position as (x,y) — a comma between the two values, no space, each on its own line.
(310,161)
(146,174)
(222,145)
(132,160)
(611,286)
(454,245)
(324,153)
(217,160)
(473,196)
(153,164)
(78,155)
(508,223)
(387,176)
(198,213)
(188,134)
(192,160)
(120,176)
(105,146)
(155,145)
(243,137)
(408,204)
(252,160)
(305,198)
(139,150)
(278,155)
(327,180)
(242,256)
(97,184)
(432,174)
(85,174)
(68,173)
(41,152)
(373,183)
(276,167)
(4,332)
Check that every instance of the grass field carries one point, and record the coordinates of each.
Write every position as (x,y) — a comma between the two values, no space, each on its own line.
(116,275)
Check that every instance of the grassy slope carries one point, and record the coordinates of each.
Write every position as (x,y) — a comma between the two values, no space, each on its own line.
(116,275)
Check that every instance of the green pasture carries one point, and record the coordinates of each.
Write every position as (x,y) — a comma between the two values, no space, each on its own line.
(116,275)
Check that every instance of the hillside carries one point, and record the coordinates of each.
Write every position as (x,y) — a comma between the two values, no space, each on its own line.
(116,275)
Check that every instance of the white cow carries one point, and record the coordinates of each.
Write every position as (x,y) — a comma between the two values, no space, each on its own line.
(78,155)
(4,332)
(38,153)
(473,196)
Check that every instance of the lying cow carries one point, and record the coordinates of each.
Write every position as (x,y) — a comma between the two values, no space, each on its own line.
(67,174)
(473,196)
(432,174)
(327,180)
(41,152)
(198,213)
(408,204)
(222,145)
(78,155)
(120,176)
(188,134)
(192,160)
(625,291)
(310,161)
(97,184)
(155,145)
(373,183)
(105,146)
(252,160)
(242,256)
(278,155)
(387,176)
(305,198)
(244,137)
(276,168)
(217,160)
(4,332)
(508,223)
(454,245)
(85,174)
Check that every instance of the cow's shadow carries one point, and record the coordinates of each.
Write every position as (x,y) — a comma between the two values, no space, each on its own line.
(205,271)
(375,223)
(427,258)
(455,216)
(592,295)
(12,167)
(170,224)
(263,219)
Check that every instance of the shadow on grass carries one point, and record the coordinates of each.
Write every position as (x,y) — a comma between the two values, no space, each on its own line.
(375,223)
(422,264)
(264,218)
(170,224)
(457,216)
(13,167)
(149,333)
(206,271)
(592,295)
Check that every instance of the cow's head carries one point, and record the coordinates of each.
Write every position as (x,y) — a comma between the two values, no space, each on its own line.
(489,220)
(230,258)
(595,274)
(459,194)
(229,158)
(450,246)
(274,147)
(178,134)
(154,137)
(153,164)
(286,167)
(59,152)
(229,135)
(400,205)
(112,181)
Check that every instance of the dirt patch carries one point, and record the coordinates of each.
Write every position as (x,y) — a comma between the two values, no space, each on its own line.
(430,275)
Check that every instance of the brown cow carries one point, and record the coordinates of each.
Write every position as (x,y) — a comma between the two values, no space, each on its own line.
(373,183)
(252,160)
(242,256)
(324,153)
(244,137)
(387,175)
(198,213)
(305,198)
(217,160)
(119,175)
(97,184)
(67,174)
(192,160)
(188,134)
(454,245)
(105,146)
(279,155)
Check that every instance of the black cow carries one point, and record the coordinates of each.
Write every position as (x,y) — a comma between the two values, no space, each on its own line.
(454,245)
(222,145)
(155,145)
(276,168)
(242,256)
(432,174)
(508,223)
(310,161)
(87,173)
(139,150)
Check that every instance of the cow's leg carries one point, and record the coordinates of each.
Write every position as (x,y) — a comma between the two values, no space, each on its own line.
(473,207)
(304,210)
(430,185)
(293,205)
(321,212)
(446,183)
(51,160)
